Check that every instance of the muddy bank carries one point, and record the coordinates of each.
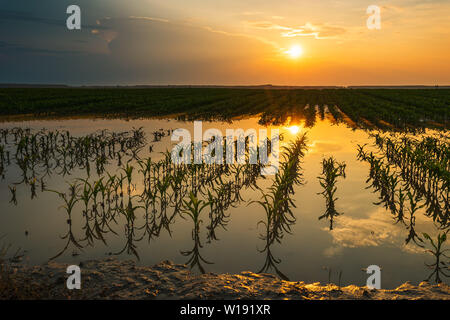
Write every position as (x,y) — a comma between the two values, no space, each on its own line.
(114,279)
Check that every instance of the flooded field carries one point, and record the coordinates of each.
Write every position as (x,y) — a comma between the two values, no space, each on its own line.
(93,188)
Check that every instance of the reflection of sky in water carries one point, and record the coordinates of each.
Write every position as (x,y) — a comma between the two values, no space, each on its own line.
(364,235)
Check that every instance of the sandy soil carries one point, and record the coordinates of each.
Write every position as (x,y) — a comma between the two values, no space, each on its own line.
(114,279)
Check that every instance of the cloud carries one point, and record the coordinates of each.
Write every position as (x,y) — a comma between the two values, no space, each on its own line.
(388,7)
(157,50)
(242,35)
(177,26)
(376,230)
(266,25)
(319,31)
(149,19)
(333,251)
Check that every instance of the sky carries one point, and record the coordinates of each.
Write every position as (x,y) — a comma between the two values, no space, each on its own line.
(225,42)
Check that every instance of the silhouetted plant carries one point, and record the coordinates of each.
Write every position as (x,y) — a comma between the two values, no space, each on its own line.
(439,267)
(193,209)
(331,171)
(278,202)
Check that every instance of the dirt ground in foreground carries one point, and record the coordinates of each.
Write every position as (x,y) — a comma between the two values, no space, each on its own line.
(115,279)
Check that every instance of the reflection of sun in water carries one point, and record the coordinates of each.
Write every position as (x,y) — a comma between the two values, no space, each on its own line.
(294,129)
(295,51)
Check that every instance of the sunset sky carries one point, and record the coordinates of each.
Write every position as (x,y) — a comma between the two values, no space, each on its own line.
(229,42)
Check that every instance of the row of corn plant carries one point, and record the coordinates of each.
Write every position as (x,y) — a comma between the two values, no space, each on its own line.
(38,155)
(331,171)
(278,203)
(157,192)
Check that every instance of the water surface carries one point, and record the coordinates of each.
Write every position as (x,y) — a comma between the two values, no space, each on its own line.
(365,234)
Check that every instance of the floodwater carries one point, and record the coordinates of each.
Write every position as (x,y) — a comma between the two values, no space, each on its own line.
(365,234)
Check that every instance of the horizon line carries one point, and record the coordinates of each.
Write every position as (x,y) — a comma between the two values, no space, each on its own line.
(257,86)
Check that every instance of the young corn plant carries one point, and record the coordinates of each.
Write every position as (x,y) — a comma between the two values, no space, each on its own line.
(193,208)
(439,267)
(278,202)
(331,171)
(70,200)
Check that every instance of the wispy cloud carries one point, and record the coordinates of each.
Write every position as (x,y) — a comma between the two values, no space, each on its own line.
(318,31)
(232,34)
(207,28)
(149,19)
(266,25)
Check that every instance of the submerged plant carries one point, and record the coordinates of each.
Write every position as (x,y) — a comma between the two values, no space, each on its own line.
(278,202)
(13,195)
(397,180)
(193,209)
(439,267)
(331,171)
(70,201)
(43,153)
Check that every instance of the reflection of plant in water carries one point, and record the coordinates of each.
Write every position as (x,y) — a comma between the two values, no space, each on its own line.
(330,272)
(111,199)
(32,183)
(12,284)
(13,195)
(399,193)
(85,197)
(130,214)
(219,202)
(424,165)
(331,171)
(271,262)
(278,202)
(128,170)
(69,203)
(412,209)
(15,258)
(39,154)
(438,252)
(193,209)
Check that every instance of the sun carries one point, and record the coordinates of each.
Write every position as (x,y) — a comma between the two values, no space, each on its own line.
(294,129)
(295,51)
